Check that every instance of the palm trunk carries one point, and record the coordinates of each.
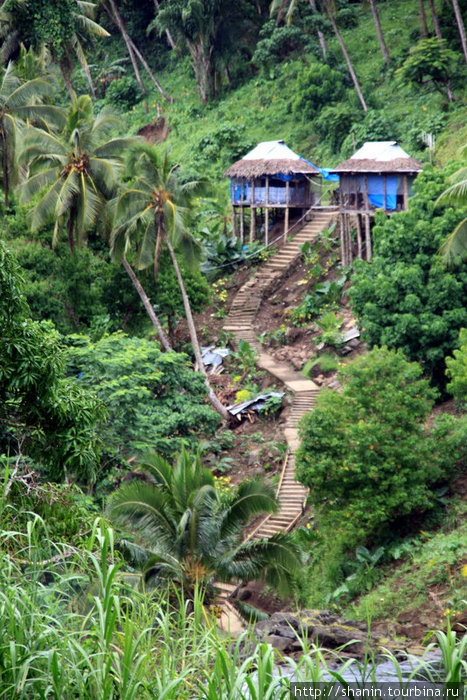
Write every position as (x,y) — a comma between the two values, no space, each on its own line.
(115,16)
(167,32)
(6,175)
(70,229)
(460,27)
(89,78)
(194,338)
(147,305)
(353,75)
(67,79)
(149,71)
(434,17)
(423,18)
(379,31)
(321,38)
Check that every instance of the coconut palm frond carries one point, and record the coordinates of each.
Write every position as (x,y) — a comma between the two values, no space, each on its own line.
(35,183)
(25,92)
(88,26)
(44,210)
(252,498)
(454,194)
(454,248)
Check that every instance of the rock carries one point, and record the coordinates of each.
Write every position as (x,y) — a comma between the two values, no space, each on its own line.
(320,626)
(334,384)
(355,343)
(279,643)
(346,350)
(351,334)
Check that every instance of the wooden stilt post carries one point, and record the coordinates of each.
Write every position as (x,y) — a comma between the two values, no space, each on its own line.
(252,213)
(365,193)
(286,217)
(242,223)
(368,237)
(405,186)
(234,222)
(266,214)
(359,236)
(342,227)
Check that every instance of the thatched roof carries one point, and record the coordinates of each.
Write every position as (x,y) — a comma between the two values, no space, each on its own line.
(379,157)
(271,158)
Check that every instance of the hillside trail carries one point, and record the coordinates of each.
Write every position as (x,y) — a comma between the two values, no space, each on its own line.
(239,321)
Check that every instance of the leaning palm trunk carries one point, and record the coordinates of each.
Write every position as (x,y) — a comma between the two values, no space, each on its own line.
(350,67)
(321,39)
(434,17)
(192,330)
(379,32)
(460,27)
(147,304)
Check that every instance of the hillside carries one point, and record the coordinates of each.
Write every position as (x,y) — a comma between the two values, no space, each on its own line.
(150,498)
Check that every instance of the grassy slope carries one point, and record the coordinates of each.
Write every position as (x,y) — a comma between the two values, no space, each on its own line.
(261,108)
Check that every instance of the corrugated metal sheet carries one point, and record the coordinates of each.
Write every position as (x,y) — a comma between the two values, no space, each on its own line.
(271,150)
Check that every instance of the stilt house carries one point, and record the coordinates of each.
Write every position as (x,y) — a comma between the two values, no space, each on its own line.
(378,176)
(270,183)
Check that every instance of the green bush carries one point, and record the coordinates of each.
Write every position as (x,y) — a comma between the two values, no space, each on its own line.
(366,454)
(457,369)
(154,399)
(317,86)
(406,298)
(123,93)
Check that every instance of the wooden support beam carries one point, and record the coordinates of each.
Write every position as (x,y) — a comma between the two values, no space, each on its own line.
(242,224)
(252,213)
(234,222)
(266,214)
(368,237)
(405,185)
(359,236)
(286,217)
(342,236)
(365,193)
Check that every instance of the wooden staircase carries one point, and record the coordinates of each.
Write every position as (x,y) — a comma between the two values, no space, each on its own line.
(240,321)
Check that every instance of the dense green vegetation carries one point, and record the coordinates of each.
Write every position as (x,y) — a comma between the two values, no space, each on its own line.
(109,248)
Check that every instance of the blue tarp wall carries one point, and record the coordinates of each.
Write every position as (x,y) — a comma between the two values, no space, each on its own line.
(376,191)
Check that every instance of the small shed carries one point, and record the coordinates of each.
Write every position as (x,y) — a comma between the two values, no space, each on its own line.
(378,176)
(274,180)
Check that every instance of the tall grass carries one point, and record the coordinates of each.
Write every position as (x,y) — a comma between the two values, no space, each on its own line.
(74,626)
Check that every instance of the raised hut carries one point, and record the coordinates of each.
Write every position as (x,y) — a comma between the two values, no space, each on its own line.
(378,176)
(271,182)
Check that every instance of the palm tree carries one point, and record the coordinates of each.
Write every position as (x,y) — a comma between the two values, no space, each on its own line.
(65,31)
(19,101)
(330,11)
(155,212)
(188,532)
(78,167)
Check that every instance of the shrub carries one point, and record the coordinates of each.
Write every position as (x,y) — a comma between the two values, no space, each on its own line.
(123,93)
(406,298)
(365,453)
(457,369)
(154,399)
(317,85)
